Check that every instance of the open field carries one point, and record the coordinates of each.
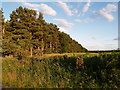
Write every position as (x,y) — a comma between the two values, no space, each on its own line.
(101,71)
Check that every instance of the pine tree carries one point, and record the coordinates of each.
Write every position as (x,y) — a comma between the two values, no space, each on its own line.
(22,24)
(29,34)
(2,22)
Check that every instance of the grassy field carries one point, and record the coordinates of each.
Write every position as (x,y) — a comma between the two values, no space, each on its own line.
(102,70)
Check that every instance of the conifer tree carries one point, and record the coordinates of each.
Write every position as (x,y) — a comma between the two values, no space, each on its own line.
(29,34)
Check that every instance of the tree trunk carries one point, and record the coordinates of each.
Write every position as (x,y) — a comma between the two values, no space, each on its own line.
(56,47)
(53,48)
(42,48)
(31,51)
(31,48)
(3,31)
(50,47)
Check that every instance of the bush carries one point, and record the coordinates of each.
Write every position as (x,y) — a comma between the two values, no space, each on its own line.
(60,72)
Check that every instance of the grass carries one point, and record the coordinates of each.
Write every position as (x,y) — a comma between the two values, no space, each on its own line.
(0,72)
(59,71)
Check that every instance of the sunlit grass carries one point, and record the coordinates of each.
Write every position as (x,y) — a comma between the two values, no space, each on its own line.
(59,71)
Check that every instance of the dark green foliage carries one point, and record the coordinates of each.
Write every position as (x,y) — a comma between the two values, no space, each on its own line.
(60,72)
(26,33)
(2,25)
(1,21)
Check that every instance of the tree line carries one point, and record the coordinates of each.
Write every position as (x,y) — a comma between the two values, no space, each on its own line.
(27,33)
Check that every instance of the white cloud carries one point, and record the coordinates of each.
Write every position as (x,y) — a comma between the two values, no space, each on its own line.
(106,15)
(44,8)
(63,23)
(86,7)
(110,8)
(30,5)
(107,12)
(63,29)
(65,7)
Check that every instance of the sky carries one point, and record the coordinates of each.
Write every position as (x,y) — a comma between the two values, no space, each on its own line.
(92,24)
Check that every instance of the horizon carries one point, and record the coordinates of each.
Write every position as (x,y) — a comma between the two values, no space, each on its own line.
(95,28)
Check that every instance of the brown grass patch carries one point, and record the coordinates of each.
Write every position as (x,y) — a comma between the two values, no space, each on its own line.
(12,76)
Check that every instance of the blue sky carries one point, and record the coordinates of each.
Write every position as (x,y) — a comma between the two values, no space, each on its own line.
(92,24)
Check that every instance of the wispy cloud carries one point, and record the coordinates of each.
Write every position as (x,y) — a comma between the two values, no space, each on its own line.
(107,12)
(65,7)
(44,8)
(86,7)
(105,15)
(63,23)
(83,20)
(88,19)
(78,20)
(110,8)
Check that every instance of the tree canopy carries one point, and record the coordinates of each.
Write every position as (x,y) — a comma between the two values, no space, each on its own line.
(27,33)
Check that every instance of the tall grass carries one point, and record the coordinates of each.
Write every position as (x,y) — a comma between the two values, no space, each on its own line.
(101,71)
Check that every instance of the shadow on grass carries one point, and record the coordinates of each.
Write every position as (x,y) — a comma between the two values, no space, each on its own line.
(60,71)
